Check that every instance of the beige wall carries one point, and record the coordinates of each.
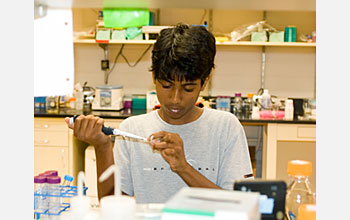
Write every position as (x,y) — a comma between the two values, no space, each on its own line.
(289,71)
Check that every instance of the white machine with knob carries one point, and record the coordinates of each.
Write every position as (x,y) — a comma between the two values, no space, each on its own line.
(108,97)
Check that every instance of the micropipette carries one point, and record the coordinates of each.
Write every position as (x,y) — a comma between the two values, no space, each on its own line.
(113,131)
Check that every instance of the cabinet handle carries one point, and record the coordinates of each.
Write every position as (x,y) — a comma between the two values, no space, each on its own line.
(63,160)
(46,126)
(46,141)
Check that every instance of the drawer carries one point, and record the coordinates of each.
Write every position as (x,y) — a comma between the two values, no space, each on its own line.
(49,138)
(296,132)
(50,124)
(306,132)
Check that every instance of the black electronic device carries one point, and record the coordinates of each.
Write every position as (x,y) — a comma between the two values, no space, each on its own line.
(105,65)
(272,196)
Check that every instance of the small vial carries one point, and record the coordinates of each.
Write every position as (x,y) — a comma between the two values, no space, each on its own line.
(54,192)
(39,194)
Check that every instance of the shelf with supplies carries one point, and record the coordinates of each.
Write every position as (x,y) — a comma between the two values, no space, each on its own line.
(225,43)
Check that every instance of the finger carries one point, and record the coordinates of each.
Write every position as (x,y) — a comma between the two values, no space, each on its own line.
(77,124)
(158,135)
(99,124)
(160,146)
(67,119)
(167,153)
(91,122)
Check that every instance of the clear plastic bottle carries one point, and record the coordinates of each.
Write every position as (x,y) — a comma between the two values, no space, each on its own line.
(54,194)
(299,190)
(247,106)
(39,194)
(265,100)
(237,105)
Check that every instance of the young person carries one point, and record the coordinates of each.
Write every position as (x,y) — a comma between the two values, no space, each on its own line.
(187,145)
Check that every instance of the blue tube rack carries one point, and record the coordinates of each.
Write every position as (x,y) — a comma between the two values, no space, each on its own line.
(66,192)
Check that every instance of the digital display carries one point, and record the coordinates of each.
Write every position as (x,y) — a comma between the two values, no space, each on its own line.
(266,204)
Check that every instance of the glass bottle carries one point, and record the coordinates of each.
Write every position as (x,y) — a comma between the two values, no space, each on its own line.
(237,105)
(299,190)
(247,106)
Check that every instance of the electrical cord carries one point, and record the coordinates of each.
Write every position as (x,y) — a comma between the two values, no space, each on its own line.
(143,54)
(120,53)
(115,61)
(202,19)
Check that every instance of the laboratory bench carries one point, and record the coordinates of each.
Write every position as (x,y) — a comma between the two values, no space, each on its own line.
(274,143)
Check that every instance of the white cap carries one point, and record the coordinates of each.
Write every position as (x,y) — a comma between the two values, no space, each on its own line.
(289,103)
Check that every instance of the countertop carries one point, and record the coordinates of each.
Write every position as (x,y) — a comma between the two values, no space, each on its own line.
(125,114)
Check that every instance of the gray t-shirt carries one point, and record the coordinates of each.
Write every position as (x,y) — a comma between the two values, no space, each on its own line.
(215,145)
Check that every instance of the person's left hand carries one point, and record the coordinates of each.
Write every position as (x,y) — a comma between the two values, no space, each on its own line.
(170,146)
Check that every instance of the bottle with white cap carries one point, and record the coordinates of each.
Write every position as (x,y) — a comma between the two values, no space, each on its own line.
(117,206)
(289,110)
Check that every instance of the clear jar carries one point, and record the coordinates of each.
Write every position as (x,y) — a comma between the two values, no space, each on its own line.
(223,103)
(299,189)
(54,191)
(247,106)
(40,204)
(237,105)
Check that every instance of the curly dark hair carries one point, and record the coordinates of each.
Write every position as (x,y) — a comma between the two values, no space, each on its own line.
(183,52)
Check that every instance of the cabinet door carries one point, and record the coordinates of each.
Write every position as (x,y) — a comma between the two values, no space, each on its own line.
(51,158)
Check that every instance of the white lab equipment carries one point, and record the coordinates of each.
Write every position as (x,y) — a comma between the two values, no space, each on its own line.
(117,206)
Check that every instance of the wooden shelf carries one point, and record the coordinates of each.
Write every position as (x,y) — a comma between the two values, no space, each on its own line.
(268,44)
(226,43)
(93,41)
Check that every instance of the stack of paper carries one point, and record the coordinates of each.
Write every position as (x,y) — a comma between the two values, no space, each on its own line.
(201,203)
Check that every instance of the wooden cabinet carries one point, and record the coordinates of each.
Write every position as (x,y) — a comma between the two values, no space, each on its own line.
(51,146)
(284,142)
(90,165)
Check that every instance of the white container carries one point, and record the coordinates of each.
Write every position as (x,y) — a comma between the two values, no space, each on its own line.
(117,207)
(79,102)
(266,100)
(255,113)
(289,110)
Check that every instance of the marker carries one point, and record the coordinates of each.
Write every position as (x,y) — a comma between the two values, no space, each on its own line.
(112,131)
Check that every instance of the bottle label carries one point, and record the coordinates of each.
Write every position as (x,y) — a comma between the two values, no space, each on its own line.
(292,216)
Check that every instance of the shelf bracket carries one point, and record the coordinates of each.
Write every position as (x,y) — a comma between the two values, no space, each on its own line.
(105,50)
(210,22)
(262,85)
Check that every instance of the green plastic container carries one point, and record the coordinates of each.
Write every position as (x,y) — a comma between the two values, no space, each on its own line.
(290,34)
(124,18)
(139,102)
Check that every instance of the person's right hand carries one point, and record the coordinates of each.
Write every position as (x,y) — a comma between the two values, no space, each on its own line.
(89,129)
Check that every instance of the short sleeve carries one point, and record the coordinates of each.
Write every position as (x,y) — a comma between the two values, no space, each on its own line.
(235,161)
(122,160)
